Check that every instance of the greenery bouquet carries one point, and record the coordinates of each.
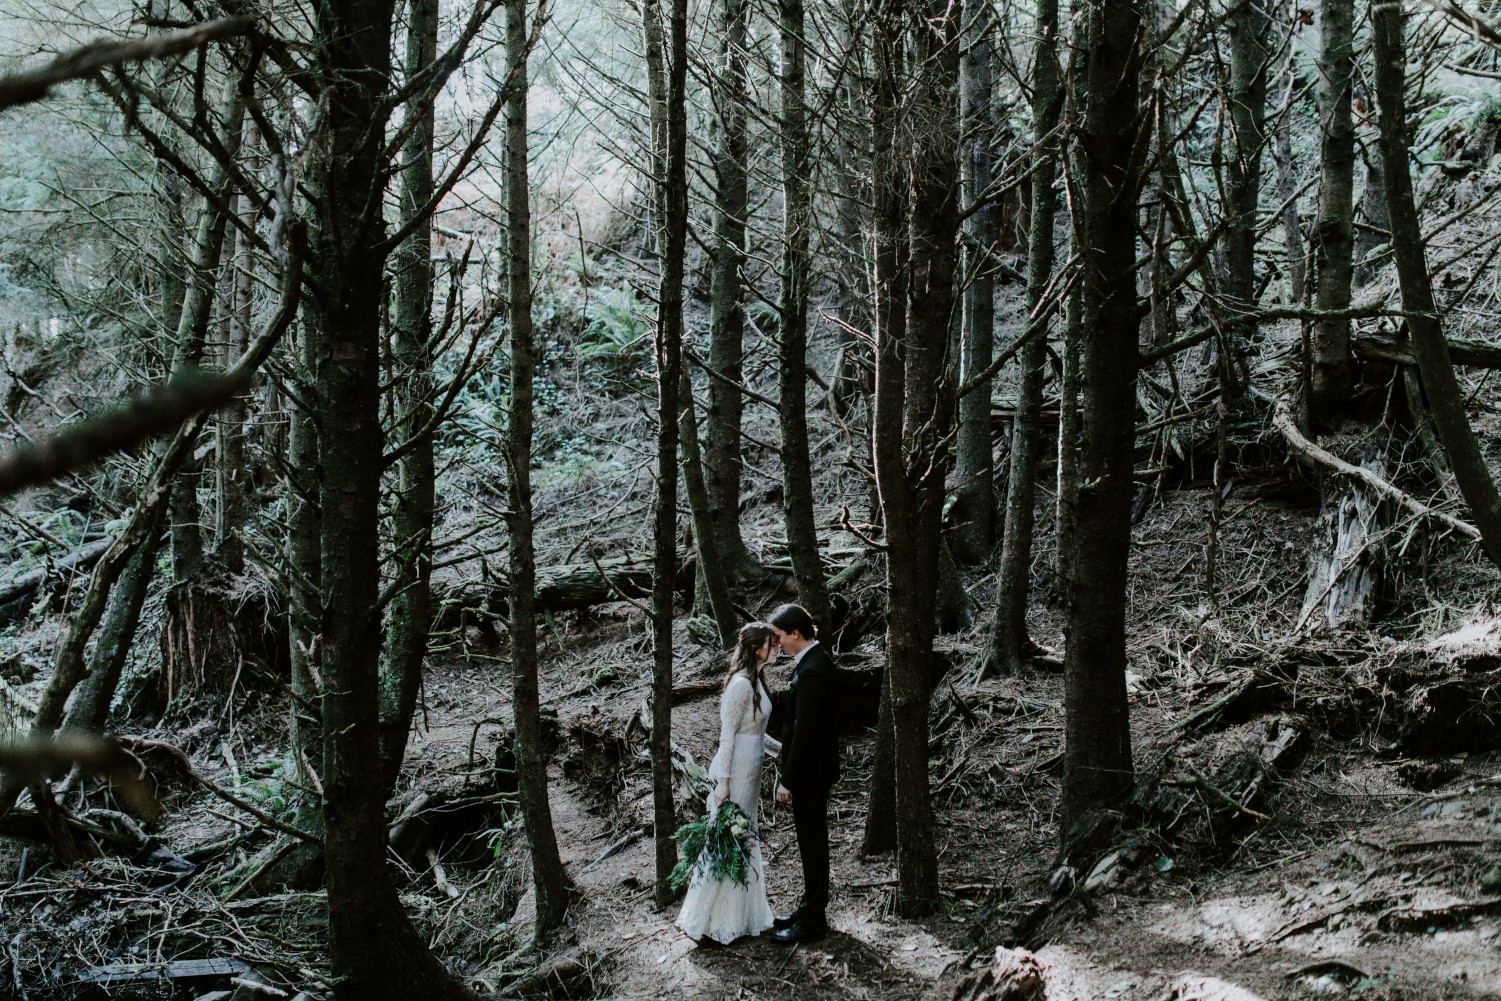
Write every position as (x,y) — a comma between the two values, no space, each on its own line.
(717,845)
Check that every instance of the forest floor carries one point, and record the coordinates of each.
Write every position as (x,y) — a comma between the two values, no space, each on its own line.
(1363,878)
(1356,869)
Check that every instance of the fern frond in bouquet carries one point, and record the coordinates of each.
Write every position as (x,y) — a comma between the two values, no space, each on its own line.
(717,846)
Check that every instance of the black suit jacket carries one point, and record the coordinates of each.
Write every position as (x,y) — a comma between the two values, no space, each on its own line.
(810,745)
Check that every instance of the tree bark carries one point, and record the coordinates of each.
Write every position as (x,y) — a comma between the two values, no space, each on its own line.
(1068,435)
(726,311)
(973,513)
(1249,29)
(1373,211)
(1332,369)
(888,43)
(548,876)
(851,381)
(666,60)
(229,456)
(912,465)
(792,379)
(91,701)
(407,622)
(1445,400)
(1287,191)
(712,573)
(192,331)
(1008,641)
(374,952)
(1097,749)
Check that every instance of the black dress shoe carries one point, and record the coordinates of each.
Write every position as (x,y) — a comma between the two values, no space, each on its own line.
(785,920)
(800,932)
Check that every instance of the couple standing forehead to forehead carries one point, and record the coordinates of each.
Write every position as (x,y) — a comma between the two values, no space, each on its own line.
(721,909)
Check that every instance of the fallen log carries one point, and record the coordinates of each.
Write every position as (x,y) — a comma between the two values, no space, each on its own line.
(559,588)
(17,593)
(1463,350)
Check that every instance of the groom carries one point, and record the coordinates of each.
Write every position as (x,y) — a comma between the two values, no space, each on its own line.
(810,766)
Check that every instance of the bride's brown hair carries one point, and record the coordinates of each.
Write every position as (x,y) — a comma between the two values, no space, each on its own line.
(746,659)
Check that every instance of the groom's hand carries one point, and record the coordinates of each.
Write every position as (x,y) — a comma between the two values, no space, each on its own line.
(783,794)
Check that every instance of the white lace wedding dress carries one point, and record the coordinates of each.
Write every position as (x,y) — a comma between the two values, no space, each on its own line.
(717,908)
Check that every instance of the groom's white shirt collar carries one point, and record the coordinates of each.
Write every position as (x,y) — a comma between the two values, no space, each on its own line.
(803,652)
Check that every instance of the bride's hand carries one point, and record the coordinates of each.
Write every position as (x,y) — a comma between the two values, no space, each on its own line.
(722,791)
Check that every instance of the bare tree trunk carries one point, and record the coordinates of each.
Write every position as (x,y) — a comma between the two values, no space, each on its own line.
(91,701)
(192,332)
(912,467)
(792,378)
(1008,642)
(374,952)
(1376,223)
(890,281)
(851,380)
(1332,364)
(1287,190)
(1249,28)
(408,620)
(233,505)
(1068,434)
(1097,749)
(290,862)
(666,60)
(711,570)
(1445,400)
(727,311)
(548,877)
(974,496)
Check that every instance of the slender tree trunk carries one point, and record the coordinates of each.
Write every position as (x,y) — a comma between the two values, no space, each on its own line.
(1287,190)
(90,706)
(548,877)
(374,952)
(890,283)
(712,573)
(1445,400)
(1249,30)
(666,60)
(294,863)
(851,379)
(1068,436)
(1097,749)
(726,311)
(792,381)
(974,497)
(1008,642)
(192,332)
(1332,365)
(912,466)
(233,503)
(412,329)
(1377,225)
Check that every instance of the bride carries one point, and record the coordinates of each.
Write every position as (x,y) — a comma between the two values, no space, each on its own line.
(717,908)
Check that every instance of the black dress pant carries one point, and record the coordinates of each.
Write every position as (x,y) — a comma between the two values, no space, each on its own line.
(810,817)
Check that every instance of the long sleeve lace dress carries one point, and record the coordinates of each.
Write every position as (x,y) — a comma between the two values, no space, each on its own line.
(717,908)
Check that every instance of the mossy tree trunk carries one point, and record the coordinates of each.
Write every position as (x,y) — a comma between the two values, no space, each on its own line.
(1445,400)
(1009,638)
(1332,368)
(548,877)
(407,622)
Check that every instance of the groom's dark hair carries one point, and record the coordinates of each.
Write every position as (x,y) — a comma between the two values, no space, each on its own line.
(794,619)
